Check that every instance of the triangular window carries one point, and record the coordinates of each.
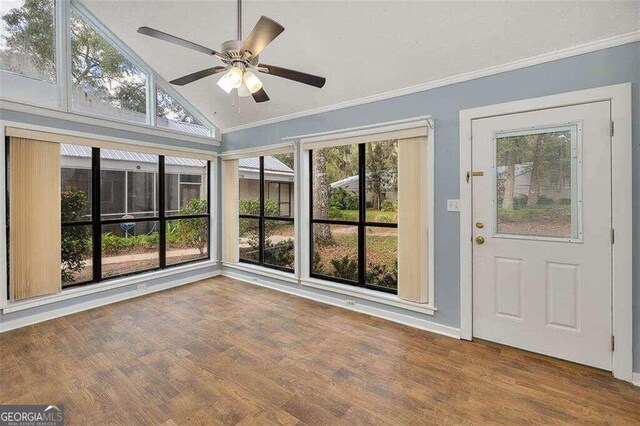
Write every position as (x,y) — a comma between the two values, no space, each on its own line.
(104,81)
(27,39)
(172,115)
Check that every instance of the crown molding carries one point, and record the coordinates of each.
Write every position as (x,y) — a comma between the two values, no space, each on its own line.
(581,49)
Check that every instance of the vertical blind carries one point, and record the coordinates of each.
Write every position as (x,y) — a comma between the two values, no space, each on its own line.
(34,218)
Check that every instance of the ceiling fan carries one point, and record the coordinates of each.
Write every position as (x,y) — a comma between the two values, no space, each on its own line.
(240,59)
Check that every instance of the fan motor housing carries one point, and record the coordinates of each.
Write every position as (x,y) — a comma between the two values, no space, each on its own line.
(232,48)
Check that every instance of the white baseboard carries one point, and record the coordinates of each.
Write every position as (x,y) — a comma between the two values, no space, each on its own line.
(342,303)
(79,307)
(635,379)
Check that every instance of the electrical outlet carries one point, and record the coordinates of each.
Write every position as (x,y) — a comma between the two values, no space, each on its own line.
(351,303)
(453,205)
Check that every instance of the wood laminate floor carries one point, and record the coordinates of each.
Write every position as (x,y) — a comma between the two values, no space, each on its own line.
(224,352)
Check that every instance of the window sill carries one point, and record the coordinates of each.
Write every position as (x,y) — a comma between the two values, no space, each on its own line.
(103,286)
(261,270)
(362,293)
(365,293)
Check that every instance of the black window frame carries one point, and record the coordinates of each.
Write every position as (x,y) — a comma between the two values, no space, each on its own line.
(96,222)
(262,218)
(362,224)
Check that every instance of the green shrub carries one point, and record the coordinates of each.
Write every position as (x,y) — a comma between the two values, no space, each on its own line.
(252,207)
(317,263)
(193,232)
(382,275)
(279,254)
(113,244)
(345,268)
(389,206)
(341,199)
(76,240)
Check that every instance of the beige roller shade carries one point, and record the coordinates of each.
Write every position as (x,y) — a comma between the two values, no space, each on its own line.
(34,218)
(230,223)
(100,143)
(413,220)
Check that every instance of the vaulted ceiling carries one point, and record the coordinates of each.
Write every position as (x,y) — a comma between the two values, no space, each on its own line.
(362,48)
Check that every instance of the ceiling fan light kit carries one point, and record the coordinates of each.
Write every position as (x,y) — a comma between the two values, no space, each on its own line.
(240,59)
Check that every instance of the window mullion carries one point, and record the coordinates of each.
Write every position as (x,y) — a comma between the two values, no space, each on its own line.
(63,52)
(261,220)
(362,214)
(95,214)
(161,213)
(151,99)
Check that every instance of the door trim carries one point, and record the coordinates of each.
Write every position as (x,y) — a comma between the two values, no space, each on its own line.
(621,168)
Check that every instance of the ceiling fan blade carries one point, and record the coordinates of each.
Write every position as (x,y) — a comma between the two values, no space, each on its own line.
(265,31)
(301,77)
(190,78)
(260,96)
(179,41)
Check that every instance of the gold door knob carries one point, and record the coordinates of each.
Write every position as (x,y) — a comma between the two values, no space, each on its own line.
(479,225)
(480,240)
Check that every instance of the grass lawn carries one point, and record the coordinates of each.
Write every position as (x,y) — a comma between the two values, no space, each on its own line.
(372,215)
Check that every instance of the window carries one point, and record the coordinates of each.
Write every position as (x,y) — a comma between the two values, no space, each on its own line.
(266,222)
(104,81)
(112,223)
(107,79)
(187,231)
(536,183)
(172,115)
(27,38)
(76,214)
(130,230)
(353,207)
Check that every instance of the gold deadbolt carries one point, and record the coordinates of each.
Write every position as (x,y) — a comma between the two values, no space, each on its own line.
(470,173)
(479,225)
(480,240)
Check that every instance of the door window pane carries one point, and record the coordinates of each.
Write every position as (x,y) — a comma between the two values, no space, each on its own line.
(382,257)
(76,254)
(127,249)
(27,38)
(248,239)
(75,183)
(335,183)
(381,178)
(172,115)
(249,182)
(335,251)
(536,182)
(279,243)
(105,82)
(187,239)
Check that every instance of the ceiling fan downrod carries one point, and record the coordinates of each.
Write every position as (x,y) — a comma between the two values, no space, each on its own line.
(239,19)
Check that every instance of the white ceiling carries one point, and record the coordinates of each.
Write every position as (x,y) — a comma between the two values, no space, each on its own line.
(362,48)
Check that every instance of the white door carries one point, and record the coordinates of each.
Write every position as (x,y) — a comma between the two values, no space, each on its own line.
(542,275)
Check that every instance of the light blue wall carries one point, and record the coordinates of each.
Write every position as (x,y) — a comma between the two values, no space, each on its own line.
(601,68)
